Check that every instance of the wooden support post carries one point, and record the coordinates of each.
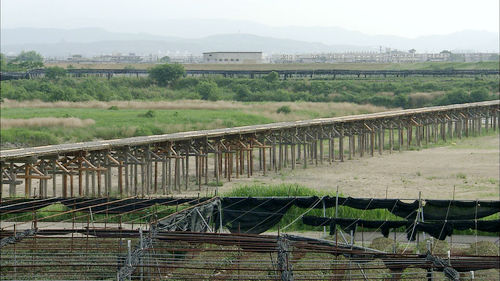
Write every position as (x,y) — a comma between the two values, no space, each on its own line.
(54,179)
(163,174)
(216,164)
(27,181)
(305,151)
(120,178)
(127,176)
(321,151)
(341,145)
(391,140)
(350,146)
(80,177)
(292,152)
(65,185)
(408,137)
(71,184)
(381,141)
(372,143)
(400,138)
(98,175)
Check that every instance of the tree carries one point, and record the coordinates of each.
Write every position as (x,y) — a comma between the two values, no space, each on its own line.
(55,72)
(273,76)
(28,60)
(165,74)
(3,64)
(480,94)
(165,59)
(208,90)
(242,92)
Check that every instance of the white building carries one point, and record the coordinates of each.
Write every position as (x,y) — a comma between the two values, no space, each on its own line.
(232,57)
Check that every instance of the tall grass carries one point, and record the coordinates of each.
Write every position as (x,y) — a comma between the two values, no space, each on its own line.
(70,122)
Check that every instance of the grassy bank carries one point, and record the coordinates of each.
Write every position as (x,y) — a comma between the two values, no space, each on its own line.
(42,123)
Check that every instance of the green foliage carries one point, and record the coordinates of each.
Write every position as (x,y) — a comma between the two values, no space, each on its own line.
(165,59)
(242,92)
(55,72)
(148,114)
(479,94)
(25,61)
(397,92)
(113,107)
(208,90)
(273,76)
(165,74)
(112,124)
(284,109)
(3,63)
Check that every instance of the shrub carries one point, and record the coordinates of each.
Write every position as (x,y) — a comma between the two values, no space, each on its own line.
(113,107)
(148,114)
(242,92)
(273,76)
(284,109)
(55,72)
(208,90)
(480,94)
(165,74)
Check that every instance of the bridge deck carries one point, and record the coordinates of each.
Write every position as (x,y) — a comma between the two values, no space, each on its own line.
(216,133)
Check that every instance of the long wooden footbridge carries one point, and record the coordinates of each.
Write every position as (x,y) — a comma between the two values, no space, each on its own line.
(173,163)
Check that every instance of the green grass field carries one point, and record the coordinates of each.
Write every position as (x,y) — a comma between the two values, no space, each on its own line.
(121,123)
(37,123)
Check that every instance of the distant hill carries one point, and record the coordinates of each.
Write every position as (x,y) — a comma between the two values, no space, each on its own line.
(92,42)
(225,36)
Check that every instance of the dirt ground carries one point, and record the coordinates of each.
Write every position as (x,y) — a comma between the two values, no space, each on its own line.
(470,166)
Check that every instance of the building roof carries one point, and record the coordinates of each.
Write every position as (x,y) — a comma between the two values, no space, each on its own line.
(232,53)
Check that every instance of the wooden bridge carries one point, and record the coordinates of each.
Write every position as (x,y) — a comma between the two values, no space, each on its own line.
(174,163)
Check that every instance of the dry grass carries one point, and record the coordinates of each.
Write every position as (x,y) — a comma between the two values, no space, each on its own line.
(46,122)
(178,104)
(299,110)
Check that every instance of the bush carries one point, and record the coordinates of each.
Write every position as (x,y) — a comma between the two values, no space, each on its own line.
(242,92)
(284,109)
(113,107)
(273,76)
(55,72)
(480,94)
(166,74)
(148,114)
(208,90)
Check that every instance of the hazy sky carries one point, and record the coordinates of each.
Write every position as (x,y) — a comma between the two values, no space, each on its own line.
(394,17)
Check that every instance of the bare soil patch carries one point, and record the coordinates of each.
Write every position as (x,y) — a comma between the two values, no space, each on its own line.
(470,166)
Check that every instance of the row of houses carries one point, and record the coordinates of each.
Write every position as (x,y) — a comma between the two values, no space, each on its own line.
(389,56)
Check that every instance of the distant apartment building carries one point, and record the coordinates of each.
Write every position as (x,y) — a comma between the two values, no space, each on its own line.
(232,57)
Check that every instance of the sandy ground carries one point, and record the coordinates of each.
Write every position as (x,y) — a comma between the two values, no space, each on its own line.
(470,166)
